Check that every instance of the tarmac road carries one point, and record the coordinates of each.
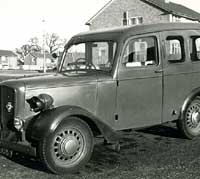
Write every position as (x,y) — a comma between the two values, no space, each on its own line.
(154,153)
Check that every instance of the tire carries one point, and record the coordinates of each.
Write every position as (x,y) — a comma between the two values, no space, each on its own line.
(68,148)
(190,125)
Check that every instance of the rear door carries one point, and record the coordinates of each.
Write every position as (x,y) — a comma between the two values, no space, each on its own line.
(139,91)
(177,71)
(194,38)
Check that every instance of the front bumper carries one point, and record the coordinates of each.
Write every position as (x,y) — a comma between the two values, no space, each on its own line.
(18,147)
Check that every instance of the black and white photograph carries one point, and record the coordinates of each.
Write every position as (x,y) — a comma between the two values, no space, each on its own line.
(100,89)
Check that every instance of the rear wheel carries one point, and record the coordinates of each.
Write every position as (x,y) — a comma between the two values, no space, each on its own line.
(68,148)
(190,125)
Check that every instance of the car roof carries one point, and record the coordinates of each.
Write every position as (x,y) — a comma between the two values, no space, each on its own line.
(116,33)
(146,28)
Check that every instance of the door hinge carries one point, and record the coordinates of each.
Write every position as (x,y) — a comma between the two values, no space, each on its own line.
(116,117)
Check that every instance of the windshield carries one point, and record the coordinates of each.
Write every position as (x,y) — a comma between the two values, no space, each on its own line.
(89,56)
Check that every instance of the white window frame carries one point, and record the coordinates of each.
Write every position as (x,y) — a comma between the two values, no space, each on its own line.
(136,20)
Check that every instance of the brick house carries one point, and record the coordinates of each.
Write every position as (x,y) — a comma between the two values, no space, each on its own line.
(35,61)
(132,12)
(8,60)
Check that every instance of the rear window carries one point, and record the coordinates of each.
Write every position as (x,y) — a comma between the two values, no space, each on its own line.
(195,51)
(174,49)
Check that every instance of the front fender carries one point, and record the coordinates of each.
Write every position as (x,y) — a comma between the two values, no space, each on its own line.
(45,123)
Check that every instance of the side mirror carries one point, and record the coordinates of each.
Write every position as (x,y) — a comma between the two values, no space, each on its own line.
(54,55)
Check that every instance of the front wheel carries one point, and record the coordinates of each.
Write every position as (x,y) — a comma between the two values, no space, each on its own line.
(190,125)
(68,148)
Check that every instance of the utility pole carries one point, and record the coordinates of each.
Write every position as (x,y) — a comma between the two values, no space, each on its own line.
(43,46)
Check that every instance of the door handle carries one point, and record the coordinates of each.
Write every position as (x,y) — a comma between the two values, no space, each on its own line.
(159,71)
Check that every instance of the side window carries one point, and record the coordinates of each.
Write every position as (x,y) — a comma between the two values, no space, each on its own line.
(141,52)
(174,48)
(197,46)
(195,50)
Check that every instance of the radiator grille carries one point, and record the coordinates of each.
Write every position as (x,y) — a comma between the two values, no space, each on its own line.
(7,107)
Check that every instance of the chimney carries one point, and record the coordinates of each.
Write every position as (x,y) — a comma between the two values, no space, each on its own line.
(167,1)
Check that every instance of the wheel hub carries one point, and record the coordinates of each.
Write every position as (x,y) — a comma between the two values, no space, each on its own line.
(69,146)
(195,118)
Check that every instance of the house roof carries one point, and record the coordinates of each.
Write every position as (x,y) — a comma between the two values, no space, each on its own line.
(175,9)
(98,12)
(169,7)
(7,53)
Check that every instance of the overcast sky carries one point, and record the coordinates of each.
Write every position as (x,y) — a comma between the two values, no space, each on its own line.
(22,19)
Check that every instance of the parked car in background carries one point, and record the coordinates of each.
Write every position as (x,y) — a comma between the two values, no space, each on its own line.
(107,81)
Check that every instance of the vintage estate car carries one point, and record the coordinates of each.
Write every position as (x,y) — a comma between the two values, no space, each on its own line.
(107,81)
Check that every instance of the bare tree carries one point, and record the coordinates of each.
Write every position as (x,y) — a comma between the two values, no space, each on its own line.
(54,42)
(34,44)
(30,47)
(23,52)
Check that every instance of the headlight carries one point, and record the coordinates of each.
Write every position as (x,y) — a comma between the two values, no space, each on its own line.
(18,124)
(40,103)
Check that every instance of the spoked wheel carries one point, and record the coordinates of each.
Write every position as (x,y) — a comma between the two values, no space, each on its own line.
(68,148)
(190,125)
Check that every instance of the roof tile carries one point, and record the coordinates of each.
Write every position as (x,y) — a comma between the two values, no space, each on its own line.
(175,9)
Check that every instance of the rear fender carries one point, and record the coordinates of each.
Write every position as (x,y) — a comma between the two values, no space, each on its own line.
(188,100)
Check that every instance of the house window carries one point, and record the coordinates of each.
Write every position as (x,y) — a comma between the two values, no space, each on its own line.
(5,60)
(125,19)
(135,20)
(132,20)
(140,52)
(175,49)
(175,19)
(34,61)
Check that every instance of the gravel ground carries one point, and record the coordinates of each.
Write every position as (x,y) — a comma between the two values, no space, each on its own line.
(154,153)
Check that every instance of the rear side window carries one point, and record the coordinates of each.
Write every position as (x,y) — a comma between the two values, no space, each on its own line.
(195,51)
(141,52)
(174,48)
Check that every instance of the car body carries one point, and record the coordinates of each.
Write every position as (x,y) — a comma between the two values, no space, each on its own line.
(122,78)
